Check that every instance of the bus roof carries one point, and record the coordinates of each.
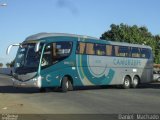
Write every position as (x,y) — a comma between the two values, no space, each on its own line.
(129,44)
(45,35)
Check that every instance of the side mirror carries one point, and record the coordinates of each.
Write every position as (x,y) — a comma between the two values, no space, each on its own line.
(37,47)
(9,48)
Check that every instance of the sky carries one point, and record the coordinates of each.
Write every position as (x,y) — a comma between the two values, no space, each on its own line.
(22,18)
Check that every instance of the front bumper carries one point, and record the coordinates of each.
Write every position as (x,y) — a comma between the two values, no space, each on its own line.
(35,82)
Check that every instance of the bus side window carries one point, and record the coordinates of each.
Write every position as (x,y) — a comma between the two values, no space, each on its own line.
(116,49)
(90,49)
(108,50)
(145,53)
(100,49)
(135,52)
(124,51)
(81,48)
(62,50)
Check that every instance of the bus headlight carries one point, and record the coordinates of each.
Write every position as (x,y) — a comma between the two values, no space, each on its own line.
(38,81)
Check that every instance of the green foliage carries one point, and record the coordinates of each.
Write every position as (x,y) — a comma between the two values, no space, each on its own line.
(134,34)
(8,65)
(11,64)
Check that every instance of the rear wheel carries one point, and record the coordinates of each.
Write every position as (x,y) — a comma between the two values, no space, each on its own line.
(66,85)
(135,82)
(126,83)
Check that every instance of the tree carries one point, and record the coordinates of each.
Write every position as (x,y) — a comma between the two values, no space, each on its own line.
(8,65)
(133,34)
(157,49)
(1,65)
(12,63)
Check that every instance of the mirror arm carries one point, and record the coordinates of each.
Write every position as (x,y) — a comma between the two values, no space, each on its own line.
(9,48)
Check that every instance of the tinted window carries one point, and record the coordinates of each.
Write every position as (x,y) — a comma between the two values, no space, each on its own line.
(135,52)
(90,49)
(121,51)
(145,53)
(81,48)
(108,50)
(100,49)
(85,48)
(62,49)
(94,49)
(55,52)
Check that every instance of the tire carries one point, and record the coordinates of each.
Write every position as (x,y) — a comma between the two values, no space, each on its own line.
(126,83)
(135,82)
(70,87)
(66,85)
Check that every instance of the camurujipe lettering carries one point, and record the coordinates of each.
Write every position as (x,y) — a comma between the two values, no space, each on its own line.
(127,62)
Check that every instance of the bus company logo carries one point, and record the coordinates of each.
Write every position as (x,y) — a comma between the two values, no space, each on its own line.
(127,62)
(48,78)
(9,117)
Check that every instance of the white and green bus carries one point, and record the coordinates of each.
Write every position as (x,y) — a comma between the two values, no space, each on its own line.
(47,60)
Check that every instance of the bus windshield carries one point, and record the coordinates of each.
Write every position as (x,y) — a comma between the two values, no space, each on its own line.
(27,60)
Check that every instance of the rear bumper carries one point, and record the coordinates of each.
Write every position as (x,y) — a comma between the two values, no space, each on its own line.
(35,82)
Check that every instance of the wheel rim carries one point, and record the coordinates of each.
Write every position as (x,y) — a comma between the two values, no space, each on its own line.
(135,81)
(126,82)
(67,84)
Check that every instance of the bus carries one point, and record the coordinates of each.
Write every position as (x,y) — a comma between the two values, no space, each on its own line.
(47,60)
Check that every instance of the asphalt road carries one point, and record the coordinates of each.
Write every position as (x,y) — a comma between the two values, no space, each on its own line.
(95,100)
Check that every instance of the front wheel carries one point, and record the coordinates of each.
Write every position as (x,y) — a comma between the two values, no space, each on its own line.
(66,85)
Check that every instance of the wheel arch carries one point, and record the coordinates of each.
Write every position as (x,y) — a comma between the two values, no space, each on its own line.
(128,77)
(69,78)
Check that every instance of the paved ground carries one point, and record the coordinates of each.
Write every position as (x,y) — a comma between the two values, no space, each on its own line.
(145,99)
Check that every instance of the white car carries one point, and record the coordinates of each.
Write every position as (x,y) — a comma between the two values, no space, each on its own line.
(156,76)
